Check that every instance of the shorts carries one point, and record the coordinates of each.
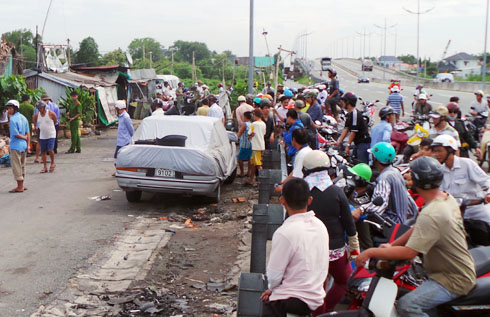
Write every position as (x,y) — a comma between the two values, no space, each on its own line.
(47,145)
(256,158)
(18,162)
(244,154)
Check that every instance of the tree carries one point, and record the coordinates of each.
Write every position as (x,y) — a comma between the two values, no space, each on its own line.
(183,51)
(150,45)
(409,59)
(88,53)
(115,57)
(24,42)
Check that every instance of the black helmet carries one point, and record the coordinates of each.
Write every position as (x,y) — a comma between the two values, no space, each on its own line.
(349,98)
(426,172)
(385,111)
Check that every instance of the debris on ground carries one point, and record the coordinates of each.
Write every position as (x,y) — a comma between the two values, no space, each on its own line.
(99,198)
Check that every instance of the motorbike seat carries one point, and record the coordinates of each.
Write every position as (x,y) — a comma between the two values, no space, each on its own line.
(477,296)
(481,256)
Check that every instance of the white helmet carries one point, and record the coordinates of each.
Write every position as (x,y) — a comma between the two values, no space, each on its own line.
(395,89)
(120,104)
(315,159)
(445,140)
(13,103)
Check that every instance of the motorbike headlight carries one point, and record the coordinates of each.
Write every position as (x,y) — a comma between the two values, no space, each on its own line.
(364,286)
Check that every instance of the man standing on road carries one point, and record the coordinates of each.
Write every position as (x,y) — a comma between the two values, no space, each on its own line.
(45,122)
(19,138)
(215,110)
(395,101)
(357,127)
(125,128)
(180,95)
(333,96)
(74,113)
(243,107)
(439,236)
(50,105)
(27,110)
(299,258)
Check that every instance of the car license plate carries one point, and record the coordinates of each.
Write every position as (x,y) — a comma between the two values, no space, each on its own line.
(164,172)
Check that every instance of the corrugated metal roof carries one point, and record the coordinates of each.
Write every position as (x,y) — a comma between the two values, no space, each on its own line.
(106,67)
(462,56)
(142,74)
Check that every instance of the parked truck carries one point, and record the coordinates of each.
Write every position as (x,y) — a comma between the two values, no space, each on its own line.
(367,65)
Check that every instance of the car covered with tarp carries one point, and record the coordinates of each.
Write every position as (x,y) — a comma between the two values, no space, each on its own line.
(191,155)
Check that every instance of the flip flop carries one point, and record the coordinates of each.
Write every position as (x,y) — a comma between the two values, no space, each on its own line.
(15,190)
(51,168)
(43,171)
(37,161)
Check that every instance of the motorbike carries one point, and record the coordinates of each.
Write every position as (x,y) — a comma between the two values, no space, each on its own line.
(368,110)
(383,281)
(399,136)
(476,124)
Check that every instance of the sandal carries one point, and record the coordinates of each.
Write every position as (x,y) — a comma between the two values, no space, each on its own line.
(15,190)
(43,171)
(37,161)
(51,168)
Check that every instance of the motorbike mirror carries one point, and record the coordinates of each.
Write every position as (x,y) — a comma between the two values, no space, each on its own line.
(359,98)
(376,101)
(378,201)
(317,122)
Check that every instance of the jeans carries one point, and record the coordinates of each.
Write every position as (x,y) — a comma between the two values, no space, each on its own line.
(361,152)
(422,301)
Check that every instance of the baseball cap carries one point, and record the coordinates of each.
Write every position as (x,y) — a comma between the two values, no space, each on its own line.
(299,104)
(120,104)
(241,98)
(423,96)
(441,111)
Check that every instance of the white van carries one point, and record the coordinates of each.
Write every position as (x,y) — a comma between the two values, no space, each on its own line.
(444,78)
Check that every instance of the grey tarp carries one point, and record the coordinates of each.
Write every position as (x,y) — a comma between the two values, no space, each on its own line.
(207,150)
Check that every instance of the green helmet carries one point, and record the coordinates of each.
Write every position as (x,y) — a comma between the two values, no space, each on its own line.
(362,170)
(384,152)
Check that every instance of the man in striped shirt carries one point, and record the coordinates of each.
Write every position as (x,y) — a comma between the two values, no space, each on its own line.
(397,203)
(395,100)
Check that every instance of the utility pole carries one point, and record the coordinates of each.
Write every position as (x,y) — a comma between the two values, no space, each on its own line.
(385,28)
(418,13)
(484,66)
(144,57)
(172,64)
(364,43)
(251,49)
(68,52)
(194,73)
(151,58)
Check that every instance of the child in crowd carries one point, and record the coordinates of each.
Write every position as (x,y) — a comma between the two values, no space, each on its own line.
(256,135)
(424,149)
(245,152)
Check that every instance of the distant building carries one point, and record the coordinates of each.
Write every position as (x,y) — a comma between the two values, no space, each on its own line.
(462,64)
(11,62)
(389,61)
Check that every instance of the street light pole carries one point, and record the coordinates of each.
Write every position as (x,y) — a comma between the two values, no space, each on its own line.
(484,66)
(251,49)
(385,28)
(418,13)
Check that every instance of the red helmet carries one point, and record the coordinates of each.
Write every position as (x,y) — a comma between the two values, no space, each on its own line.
(220,85)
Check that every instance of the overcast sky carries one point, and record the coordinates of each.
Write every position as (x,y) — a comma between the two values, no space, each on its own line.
(224,24)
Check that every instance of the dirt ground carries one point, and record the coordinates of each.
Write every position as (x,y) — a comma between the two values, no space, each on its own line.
(196,273)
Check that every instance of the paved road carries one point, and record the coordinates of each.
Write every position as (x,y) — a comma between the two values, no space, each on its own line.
(373,91)
(50,231)
(377,72)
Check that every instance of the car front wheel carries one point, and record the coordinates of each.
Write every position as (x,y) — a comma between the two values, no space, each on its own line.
(133,196)
(231,178)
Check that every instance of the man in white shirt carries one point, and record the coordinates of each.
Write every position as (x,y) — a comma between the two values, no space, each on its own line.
(479,105)
(299,258)
(215,110)
(157,105)
(322,96)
